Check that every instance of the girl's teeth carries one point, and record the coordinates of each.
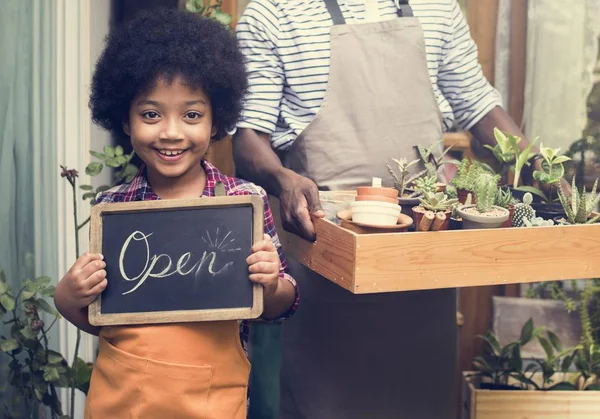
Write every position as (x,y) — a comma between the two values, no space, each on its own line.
(171,153)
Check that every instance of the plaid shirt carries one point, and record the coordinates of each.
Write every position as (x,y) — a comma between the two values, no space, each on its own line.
(139,190)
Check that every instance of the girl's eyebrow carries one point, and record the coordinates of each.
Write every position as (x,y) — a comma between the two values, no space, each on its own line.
(155,103)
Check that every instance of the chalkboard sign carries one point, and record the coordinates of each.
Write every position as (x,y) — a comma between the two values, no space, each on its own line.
(177,260)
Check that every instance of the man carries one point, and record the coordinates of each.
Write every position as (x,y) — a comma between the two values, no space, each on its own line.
(336,89)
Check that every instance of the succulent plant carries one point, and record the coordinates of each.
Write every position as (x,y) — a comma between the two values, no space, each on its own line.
(503,197)
(537,222)
(402,181)
(580,207)
(425,184)
(486,187)
(467,174)
(437,201)
(523,211)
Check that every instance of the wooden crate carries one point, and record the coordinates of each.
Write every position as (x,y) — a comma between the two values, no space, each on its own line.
(375,263)
(525,404)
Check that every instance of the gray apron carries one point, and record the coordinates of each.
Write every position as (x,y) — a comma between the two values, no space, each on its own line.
(375,356)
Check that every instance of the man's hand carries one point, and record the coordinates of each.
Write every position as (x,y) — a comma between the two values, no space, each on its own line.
(299,200)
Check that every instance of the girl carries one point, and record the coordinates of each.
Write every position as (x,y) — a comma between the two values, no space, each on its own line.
(172,82)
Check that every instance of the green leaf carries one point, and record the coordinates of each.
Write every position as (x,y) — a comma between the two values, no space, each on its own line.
(43,304)
(3,284)
(54,357)
(554,340)
(118,150)
(93,169)
(593,387)
(97,155)
(109,151)
(7,302)
(561,159)
(9,345)
(533,190)
(547,347)
(515,362)
(112,162)
(89,195)
(82,373)
(563,385)
(86,187)
(102,188)
(526,332)
(492,342)
(26,294)
(28,333)
(50,373)
(566,363)
(42,281)
(121,160)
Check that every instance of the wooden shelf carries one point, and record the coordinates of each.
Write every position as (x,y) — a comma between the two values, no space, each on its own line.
(377,263)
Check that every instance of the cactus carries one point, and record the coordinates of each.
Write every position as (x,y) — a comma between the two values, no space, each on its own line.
(485,192)
(503,197)
(523,211)
(437,201)
(580,208)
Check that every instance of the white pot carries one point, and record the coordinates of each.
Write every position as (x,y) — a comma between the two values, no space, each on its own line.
(375,213)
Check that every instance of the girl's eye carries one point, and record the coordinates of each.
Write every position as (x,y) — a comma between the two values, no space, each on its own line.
(193,115)
(150,115)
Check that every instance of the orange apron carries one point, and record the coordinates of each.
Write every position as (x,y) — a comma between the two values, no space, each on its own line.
(170,371)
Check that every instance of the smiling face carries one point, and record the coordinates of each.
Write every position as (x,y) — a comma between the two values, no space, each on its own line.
(170,127)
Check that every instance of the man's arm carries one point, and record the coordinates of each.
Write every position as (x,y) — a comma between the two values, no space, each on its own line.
(255,160)
(483,130)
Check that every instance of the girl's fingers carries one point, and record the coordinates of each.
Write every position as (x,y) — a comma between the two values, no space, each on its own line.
(93,266)
(95,279)
(262,256)
(264,268)
(84,260)
(266,244)
(99,287)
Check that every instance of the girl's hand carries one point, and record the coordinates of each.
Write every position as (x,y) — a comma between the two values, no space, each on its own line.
(264,265)
(83,282)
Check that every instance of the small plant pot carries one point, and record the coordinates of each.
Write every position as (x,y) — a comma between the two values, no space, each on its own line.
(548,211)
(408,204)
(376,198)
(455,224)
(511,214)
(520,194)
(381,214)
(462,196)
(419,212)
(373,190)
(441,187)
(475,220)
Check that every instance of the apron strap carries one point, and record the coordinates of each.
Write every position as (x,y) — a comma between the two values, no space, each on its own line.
(403,10)
(220,189)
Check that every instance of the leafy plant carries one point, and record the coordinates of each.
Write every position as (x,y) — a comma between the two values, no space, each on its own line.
(579,207)
(432,162)
(437,201)
(36,370)
(537,222)
(211,9)
(404,179)
(551,174)
(486,188)
(425,184)
(509,155)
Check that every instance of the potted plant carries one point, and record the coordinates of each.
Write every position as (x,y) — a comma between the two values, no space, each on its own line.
(434,163)
(407,198)
(511,158)
(434,211)
(550,175)
(484,213)
(467,173)
(579,208)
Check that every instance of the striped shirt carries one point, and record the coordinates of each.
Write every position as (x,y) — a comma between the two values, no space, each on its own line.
(139,190)
(286,44)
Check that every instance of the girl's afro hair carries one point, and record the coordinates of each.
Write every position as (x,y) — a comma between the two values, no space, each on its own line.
(168,43)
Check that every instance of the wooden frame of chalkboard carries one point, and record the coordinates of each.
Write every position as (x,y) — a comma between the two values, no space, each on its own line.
(98,314)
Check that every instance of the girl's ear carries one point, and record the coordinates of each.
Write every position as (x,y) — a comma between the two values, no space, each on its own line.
(126,128)
(213,132)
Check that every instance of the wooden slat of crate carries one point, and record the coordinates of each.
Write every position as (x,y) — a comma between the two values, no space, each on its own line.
(374,263)
(502,404)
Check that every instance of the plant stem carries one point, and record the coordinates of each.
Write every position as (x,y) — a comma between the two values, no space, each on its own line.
(78,339)
(87,220)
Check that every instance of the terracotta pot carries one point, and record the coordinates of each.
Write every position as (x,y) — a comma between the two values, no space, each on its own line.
(511,213)
(378,198)
(462,196)
(419,211)
(408,204)
(441,187)
(372,190)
